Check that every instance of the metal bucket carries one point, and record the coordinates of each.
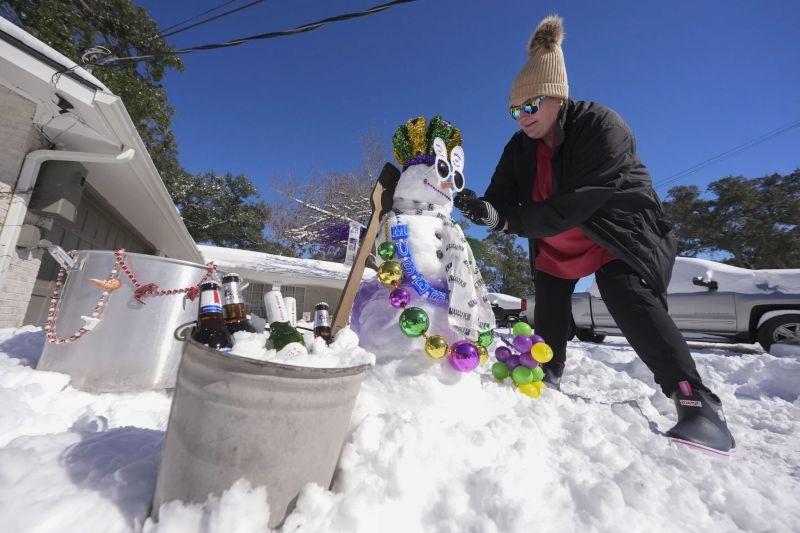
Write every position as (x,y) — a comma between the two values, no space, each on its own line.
(133,347)
(275,425)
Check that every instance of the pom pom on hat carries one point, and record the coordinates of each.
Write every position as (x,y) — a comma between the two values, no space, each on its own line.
(548,34)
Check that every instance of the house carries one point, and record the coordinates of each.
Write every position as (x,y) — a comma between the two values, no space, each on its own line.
(309,281)
(73,172)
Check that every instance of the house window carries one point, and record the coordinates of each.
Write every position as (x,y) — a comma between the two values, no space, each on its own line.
(254,297)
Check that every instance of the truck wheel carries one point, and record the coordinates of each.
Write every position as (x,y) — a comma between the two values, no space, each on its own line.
(783,329)
(588,335)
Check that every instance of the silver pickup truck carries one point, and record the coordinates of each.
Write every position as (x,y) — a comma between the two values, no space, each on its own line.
(709,301)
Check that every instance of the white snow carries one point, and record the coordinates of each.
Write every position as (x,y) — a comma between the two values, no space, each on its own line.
(430,450)
(343,352)
(233,259)
(505,301)
(729,278)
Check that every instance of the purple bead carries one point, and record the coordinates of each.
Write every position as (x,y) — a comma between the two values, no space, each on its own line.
(526,359)
(400,297)
(502,354)
(464,356)
(522,343)
(536,338)
(512,362)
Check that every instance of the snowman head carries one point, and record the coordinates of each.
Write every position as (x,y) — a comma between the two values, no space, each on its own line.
(432,160)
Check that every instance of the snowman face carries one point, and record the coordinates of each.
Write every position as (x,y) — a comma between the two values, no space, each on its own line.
(434,184)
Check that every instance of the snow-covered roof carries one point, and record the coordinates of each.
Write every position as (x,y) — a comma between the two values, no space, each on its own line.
(729,278)
(277,269)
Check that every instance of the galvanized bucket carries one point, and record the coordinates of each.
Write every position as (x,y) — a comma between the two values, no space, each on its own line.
(133,347)
(275,425)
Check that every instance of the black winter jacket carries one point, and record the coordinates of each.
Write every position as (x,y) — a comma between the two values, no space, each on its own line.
(599,184)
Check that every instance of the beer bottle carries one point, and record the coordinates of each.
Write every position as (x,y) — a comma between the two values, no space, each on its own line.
(281,331)
(322,321)
(235,312)
(211,329)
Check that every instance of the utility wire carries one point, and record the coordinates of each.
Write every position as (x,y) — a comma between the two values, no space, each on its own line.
(215,17)
(269,35)
(206,12)
(728,153)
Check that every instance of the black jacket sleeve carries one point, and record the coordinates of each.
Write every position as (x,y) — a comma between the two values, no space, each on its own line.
(599,161)
(502,191)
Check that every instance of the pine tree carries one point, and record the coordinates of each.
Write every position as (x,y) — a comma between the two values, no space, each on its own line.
(505,266)
(754,222)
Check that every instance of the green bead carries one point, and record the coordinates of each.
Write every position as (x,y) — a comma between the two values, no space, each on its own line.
(538,373)
(500,370)
(522,375)
(386,251)
(485,338)
(414,321)
(522,328)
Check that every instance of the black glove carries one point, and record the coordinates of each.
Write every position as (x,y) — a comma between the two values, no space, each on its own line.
(477,210)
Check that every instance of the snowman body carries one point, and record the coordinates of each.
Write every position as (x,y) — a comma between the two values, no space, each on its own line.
(421,205)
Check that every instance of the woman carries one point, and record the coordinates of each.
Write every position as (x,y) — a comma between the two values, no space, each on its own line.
(571,182)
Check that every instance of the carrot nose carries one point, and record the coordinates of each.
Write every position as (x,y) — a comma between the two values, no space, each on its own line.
(447,184)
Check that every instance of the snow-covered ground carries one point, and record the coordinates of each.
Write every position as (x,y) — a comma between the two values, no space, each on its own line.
(431,450)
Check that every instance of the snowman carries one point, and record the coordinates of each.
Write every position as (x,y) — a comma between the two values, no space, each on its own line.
(429,293)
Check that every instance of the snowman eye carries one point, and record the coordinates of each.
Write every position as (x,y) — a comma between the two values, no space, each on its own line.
(458,181)
(442,168)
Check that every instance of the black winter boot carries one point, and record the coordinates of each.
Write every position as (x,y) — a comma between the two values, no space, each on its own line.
(701,422)
(552,375)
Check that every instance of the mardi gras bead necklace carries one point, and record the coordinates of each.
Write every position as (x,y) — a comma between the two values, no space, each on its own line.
(463,355)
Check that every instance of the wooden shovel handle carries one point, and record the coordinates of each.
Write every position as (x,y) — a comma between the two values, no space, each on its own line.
(381,201)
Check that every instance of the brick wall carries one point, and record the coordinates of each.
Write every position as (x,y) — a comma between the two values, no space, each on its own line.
(17,138)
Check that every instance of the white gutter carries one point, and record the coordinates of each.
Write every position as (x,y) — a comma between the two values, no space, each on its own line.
(9,234)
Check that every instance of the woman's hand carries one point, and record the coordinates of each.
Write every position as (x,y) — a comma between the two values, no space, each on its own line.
(477,210)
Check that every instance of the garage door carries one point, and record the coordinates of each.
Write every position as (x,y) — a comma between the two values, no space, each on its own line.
(97,226)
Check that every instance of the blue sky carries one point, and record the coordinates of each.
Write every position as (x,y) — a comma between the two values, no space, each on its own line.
(693,79)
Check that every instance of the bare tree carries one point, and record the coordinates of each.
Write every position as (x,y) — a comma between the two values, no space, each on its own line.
(313,215)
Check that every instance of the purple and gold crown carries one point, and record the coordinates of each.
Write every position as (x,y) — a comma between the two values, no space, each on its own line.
(412,143)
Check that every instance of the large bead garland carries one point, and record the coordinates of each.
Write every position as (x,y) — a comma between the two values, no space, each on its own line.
(109,285)
(463,355)
(91,321)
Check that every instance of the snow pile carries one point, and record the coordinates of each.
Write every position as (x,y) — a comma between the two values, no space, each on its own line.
(430,450)
(343,352)
(728,278)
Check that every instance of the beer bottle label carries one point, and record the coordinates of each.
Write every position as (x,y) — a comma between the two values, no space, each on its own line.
(232,294)
(276,308)
(291,309)
(322,318)
(210,301)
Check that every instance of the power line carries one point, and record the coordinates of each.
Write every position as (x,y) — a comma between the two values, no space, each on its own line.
(269,35)
(206,12)
(728,153)
(215,17)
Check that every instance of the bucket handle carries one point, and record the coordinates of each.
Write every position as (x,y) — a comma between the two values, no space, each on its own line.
(181,332)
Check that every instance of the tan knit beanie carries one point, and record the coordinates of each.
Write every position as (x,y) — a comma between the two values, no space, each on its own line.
(544,74)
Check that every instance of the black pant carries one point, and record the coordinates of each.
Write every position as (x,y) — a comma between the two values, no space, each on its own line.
(638,312)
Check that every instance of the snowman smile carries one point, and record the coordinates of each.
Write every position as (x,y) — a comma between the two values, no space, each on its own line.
(437,189)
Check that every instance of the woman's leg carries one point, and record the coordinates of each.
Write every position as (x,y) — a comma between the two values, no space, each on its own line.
(552,316)
(643,319)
